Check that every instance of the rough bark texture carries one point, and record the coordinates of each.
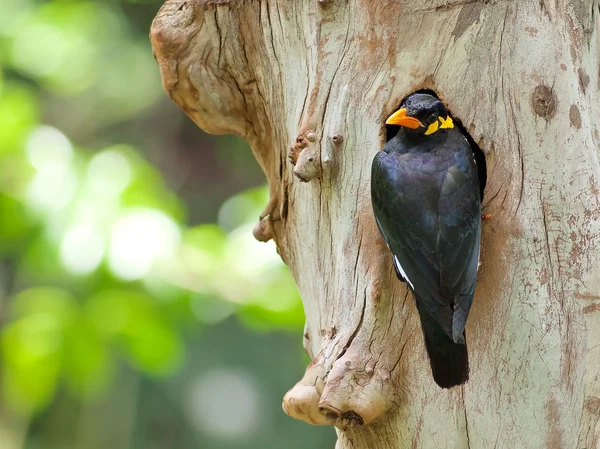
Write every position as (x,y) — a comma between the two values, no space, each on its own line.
(308,84)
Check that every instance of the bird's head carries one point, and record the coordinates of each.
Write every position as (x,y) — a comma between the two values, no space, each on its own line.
(422,114)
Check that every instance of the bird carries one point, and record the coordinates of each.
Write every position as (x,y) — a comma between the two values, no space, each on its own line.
(426,199)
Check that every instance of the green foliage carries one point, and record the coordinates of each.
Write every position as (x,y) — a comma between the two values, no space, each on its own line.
(19,112)
(33,343)
(104,268)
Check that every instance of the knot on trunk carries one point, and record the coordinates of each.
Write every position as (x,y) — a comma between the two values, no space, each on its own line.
(351,389)
(305,156)
(263,230)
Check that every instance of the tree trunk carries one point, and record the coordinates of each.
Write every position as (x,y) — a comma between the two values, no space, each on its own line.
(309,84)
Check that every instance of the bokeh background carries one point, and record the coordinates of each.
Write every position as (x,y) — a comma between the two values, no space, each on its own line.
(136,309)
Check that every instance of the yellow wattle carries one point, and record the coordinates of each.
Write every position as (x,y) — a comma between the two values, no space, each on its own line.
(432,128)
(446,124)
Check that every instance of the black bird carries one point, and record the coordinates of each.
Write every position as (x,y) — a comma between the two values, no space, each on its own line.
(426,199)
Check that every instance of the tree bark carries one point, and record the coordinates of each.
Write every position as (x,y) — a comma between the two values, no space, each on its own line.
(309,84)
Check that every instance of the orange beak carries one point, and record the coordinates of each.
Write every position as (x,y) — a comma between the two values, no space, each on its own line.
(401,119)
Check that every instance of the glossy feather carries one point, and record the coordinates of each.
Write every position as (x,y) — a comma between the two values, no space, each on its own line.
(426,200)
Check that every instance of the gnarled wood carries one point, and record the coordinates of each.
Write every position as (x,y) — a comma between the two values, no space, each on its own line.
(308,84)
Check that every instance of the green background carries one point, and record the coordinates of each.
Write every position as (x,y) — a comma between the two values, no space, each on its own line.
(136,309)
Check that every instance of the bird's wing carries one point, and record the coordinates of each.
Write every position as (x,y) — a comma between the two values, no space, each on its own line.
(432,235)
(459,219)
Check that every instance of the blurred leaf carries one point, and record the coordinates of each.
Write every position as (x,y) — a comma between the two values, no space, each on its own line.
(87,363)
(135,323)
(247,265)
(32,345)
(47,302)
(210,310)
(31,363)
(276,304)
(202,254)
(59,43)
(153,345)
(122,95)
(235,156)
(12,11)
(142,242)
(259,318)
(40,261)
(146,187)
(208,237)
(18,115)
(149,193)
(243,208)
(16,226)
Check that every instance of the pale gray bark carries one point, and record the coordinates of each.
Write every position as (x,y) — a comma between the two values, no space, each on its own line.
(309,84)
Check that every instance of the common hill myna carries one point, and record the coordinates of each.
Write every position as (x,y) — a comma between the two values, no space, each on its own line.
(426,200)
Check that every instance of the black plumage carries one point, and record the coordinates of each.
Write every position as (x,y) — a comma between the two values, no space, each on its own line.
(426,199)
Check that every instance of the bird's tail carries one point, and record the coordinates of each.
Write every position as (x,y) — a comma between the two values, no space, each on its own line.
(449,360)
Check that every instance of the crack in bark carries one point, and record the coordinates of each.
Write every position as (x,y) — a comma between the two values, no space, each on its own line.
(441,58)
(501,68)
(220,39)
(268,14)
(521,159)
(355,267)
(357,256)
(545,223)
(355,333)
(449,6)
(392,318)
(403,327)
(462,389)
(560,277)
(544,9)
(326,103)
(513,115)
(490,198)
(519,148)
(401,354)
